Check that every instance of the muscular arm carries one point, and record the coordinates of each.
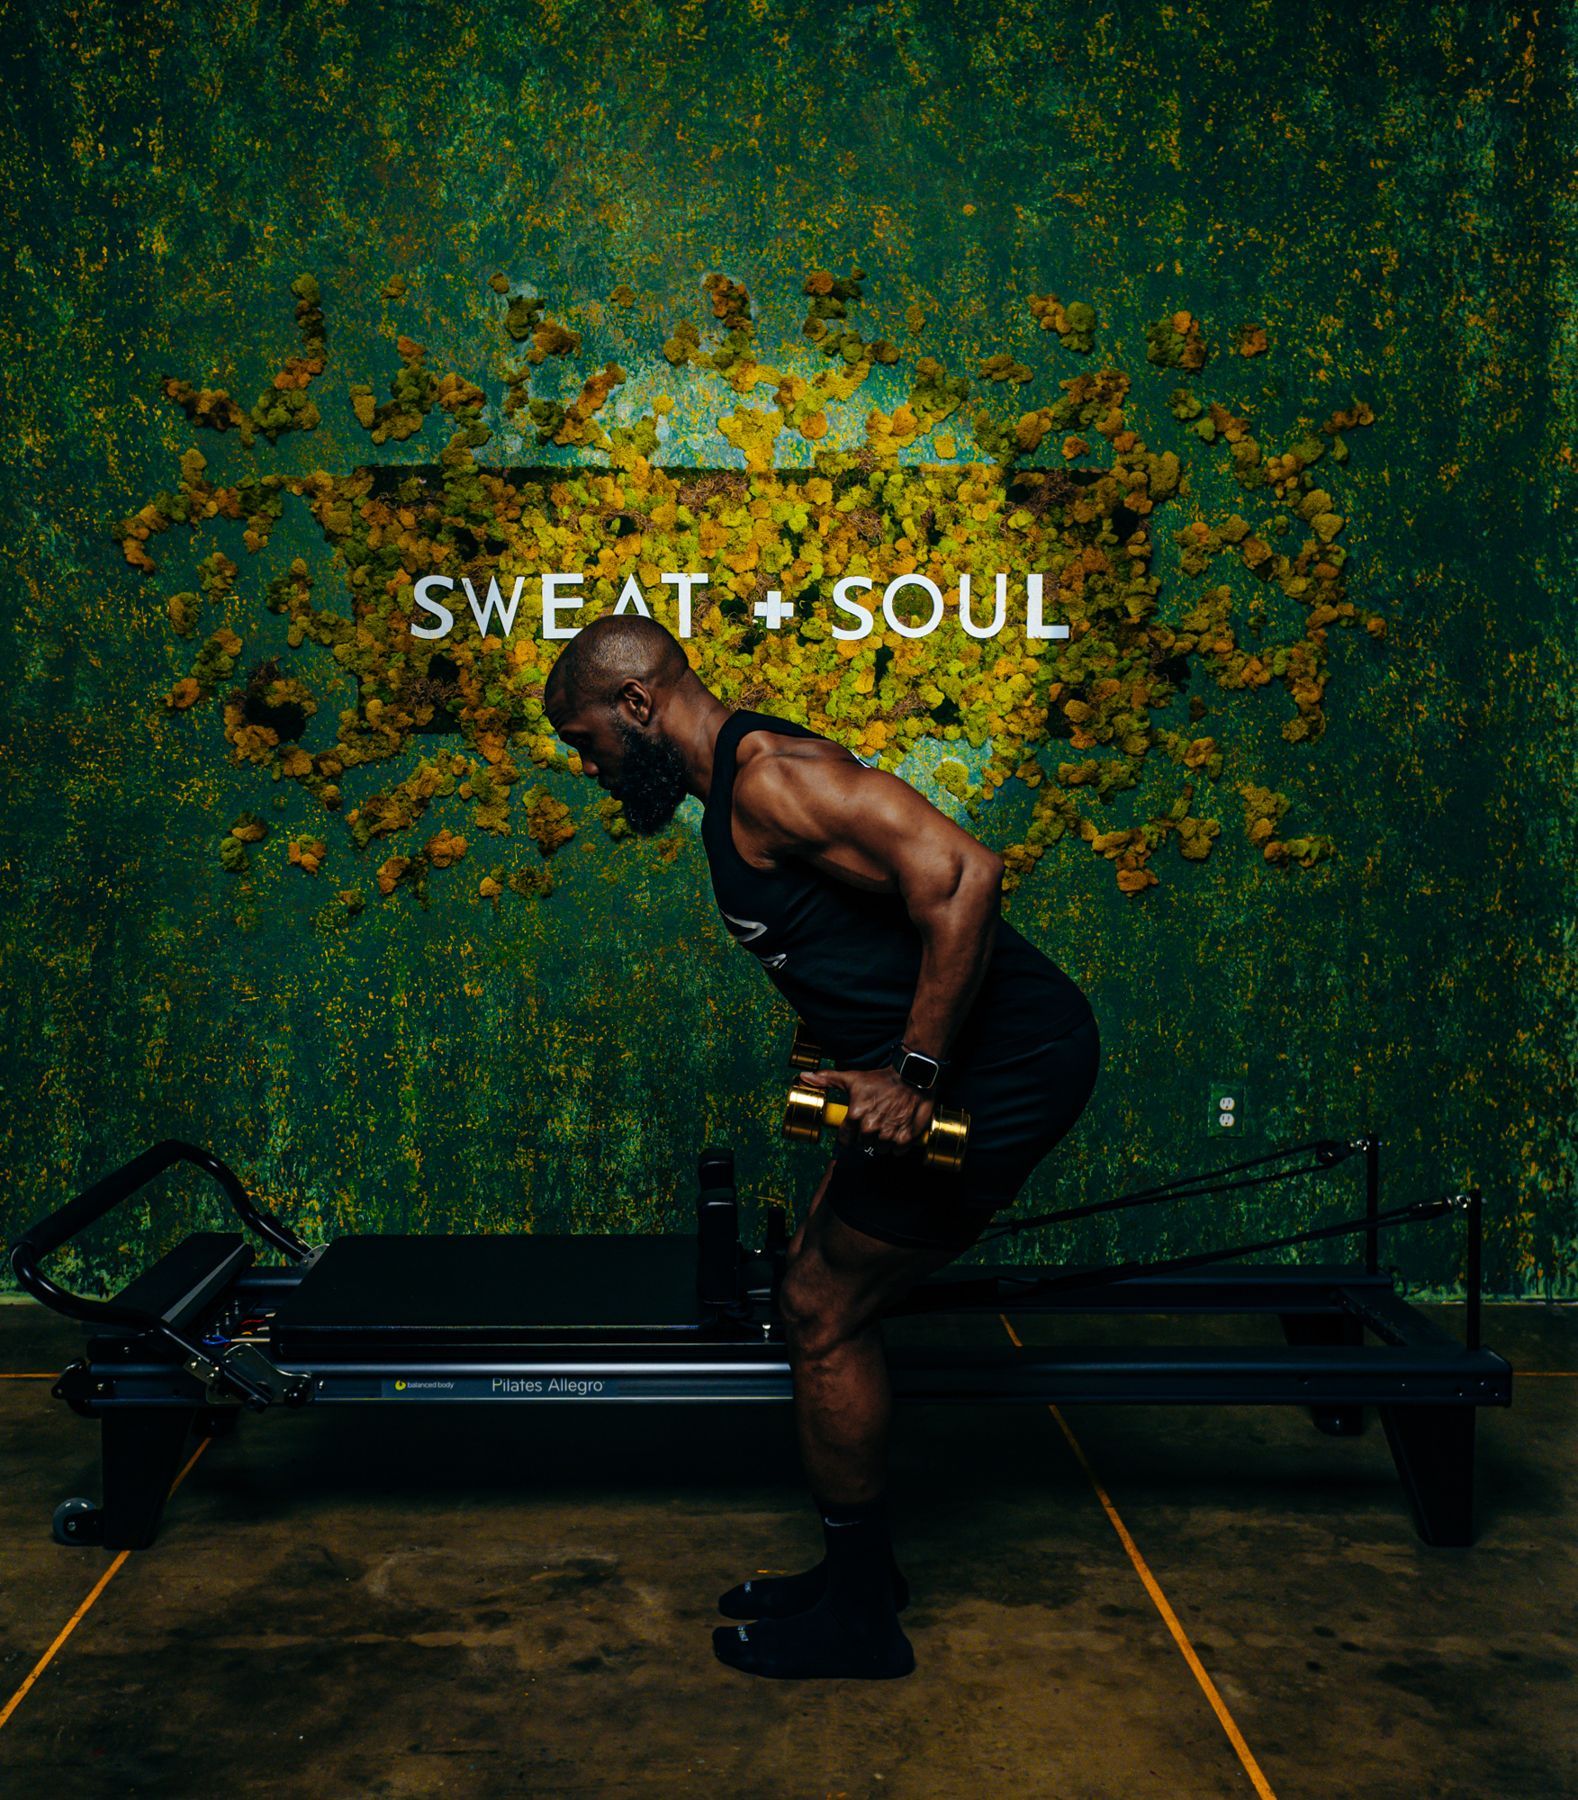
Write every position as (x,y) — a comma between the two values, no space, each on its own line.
(876,832)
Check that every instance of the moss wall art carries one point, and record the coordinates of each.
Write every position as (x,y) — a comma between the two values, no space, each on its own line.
(1195,383)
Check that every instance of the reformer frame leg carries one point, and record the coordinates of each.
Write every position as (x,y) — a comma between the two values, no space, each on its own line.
(1326,1329)
(142,1453)
(1433,1447)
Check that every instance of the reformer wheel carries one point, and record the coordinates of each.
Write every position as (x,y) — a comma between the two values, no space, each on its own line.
(78,1522)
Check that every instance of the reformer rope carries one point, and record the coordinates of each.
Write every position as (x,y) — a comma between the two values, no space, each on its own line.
(1328,1152)
(1124,1271)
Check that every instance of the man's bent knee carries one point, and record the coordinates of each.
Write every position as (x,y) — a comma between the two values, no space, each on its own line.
(818,1315)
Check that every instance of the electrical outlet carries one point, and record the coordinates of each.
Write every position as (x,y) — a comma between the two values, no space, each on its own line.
(1227,1112)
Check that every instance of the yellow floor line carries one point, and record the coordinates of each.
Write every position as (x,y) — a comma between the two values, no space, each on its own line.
(82,1611)
(1169,1618)
(1141,1568)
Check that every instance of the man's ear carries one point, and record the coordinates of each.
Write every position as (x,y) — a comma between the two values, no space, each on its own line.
(638,699)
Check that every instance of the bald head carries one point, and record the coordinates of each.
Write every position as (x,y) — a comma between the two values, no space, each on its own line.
(625,700)
(596,663)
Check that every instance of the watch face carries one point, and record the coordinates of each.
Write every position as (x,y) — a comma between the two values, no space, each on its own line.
(919,1071)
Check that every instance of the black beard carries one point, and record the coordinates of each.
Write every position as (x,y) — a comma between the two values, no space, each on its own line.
(651,780)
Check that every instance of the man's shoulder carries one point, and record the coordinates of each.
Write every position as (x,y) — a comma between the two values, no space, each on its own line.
(782,783)
(784,764)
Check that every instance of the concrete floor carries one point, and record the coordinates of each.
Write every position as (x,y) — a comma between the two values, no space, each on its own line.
(508,1604)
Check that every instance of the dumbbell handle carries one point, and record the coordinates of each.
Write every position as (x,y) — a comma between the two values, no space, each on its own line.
(810,1111)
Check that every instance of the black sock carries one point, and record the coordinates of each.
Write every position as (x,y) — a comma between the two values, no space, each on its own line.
(859,1555)
(781,1596)
(851,1629)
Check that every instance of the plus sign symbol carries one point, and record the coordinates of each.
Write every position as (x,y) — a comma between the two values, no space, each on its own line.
(774,611)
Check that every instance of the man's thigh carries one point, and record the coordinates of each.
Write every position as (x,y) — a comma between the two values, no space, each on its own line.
(840,1273)
(1019,1109)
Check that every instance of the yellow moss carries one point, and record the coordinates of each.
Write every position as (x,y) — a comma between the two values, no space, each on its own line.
(444,848)
(549,822)
(307,854)
(856,512)
(390,872)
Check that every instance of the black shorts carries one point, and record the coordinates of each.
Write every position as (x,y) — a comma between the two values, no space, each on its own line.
(1019,1108)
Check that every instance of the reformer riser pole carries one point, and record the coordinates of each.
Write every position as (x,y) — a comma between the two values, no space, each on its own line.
(1372,1205)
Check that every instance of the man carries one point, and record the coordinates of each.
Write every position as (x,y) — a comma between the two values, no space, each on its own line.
(878,918)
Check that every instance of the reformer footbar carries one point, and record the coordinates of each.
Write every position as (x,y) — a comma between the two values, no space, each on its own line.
(238,1373)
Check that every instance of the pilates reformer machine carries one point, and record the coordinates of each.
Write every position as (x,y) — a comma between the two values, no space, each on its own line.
(210,1331)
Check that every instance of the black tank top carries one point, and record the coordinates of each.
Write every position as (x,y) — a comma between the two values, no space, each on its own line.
(847,960)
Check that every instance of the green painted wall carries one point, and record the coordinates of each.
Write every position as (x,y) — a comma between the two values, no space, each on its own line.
(1387,190)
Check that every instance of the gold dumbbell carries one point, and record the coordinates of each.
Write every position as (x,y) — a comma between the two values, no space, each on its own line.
(809,1112)
(803,1054)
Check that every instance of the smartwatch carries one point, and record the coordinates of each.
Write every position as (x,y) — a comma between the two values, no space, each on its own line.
(917,1070)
